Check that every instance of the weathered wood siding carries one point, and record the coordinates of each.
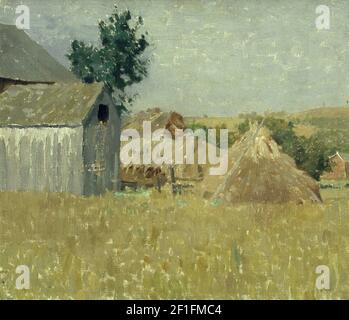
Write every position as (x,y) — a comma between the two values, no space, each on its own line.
(41,159)
(101,149)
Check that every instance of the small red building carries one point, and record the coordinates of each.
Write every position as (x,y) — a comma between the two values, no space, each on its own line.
(339,167)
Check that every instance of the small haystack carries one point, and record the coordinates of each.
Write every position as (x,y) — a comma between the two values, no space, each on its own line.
(151,175)
(260,172)
(174,122)
(145,175)
(156,116)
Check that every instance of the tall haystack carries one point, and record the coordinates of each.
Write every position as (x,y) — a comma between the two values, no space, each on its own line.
(260,172)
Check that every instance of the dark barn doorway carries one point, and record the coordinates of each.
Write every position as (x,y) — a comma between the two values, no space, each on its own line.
(103,113)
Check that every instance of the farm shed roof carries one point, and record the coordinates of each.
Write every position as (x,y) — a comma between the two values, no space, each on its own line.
(42,104)
(344,156)
(23,59)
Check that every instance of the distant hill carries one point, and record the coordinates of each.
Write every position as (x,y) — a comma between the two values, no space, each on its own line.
(323,112)
(336,118)
(330,123)
(230,123)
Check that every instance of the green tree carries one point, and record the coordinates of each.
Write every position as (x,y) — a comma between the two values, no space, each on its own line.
(119,61)
(243,127)
(310,154)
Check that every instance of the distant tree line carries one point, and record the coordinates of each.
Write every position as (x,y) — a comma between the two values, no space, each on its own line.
(310,154)
(232,135)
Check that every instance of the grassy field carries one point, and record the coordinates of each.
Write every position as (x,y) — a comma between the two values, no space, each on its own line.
(145,246)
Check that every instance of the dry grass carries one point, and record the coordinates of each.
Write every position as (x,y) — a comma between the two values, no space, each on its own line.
(161,248)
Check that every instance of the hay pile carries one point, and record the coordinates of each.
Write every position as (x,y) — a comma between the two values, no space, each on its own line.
(156,116)
(148,175)
(260,172)
(143,175)
(174,122)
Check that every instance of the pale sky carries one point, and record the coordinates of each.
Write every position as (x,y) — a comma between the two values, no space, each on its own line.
(216,57)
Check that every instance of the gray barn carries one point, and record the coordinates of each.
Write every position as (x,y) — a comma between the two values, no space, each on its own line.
(24,62)
(59,138)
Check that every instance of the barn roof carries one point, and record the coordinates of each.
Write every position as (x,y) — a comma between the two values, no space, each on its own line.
(23,59)
(42,104)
